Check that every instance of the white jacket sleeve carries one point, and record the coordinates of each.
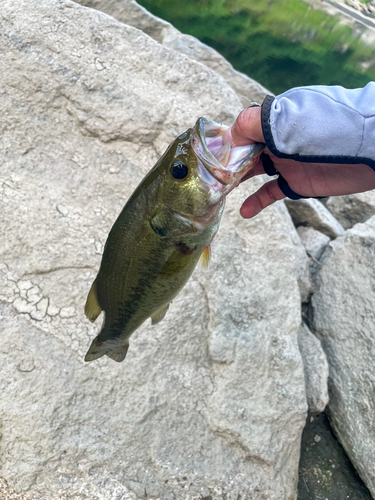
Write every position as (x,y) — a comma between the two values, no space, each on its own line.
(322,124)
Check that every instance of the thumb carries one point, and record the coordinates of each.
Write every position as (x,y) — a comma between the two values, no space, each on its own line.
(247,128)
(265,196)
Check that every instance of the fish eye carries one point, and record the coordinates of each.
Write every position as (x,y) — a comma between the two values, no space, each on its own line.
(179,170)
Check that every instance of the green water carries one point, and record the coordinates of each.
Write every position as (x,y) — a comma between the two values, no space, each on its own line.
(280,43)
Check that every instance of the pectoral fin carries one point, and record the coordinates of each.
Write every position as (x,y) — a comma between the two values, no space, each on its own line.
(178,260)
(92,307)
(205,257)
(159,315)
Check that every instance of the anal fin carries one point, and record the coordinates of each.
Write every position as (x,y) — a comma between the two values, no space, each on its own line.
(159,315)
(92,307)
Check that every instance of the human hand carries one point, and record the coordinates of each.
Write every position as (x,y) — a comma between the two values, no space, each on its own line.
(306,179)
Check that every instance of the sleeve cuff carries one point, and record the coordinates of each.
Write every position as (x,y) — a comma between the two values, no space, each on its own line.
(270,143)
(266,125)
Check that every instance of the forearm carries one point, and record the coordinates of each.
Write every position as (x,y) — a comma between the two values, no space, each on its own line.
(322,124)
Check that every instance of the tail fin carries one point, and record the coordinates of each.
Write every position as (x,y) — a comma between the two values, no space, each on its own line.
(106,348)
(96,351)
(119,353)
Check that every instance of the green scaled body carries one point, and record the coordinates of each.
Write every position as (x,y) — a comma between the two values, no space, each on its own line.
(155,244)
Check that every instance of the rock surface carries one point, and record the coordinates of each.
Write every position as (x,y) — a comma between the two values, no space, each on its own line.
(211,402)
(352,208)
(357,15)
(302,261)
(343,313)
(129,12)
(315,366)
(313,241)
(7,493)
(311,212)
(368,7)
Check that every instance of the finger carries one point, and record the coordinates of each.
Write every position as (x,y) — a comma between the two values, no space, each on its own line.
(256,170)
(265,196)
(247,128)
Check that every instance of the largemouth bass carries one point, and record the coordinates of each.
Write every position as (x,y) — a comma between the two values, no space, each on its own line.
(164,229)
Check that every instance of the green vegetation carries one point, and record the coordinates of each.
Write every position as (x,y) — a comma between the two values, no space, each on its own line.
(281,44)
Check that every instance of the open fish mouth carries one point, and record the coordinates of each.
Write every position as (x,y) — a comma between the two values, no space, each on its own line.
(227,165)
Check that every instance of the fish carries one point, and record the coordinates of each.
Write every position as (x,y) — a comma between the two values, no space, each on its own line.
(164,229)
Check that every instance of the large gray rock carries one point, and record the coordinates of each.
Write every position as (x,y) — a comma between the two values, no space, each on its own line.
(316,369)
(344,319)
(301,259)
(352,208)
(209,403)
(311,212)
(313,241)
(129,12)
